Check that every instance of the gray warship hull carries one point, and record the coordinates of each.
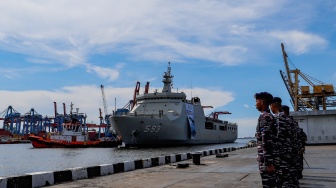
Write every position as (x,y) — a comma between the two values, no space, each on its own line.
(144,131)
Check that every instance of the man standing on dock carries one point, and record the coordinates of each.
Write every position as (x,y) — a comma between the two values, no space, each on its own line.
(266,134)
(298,141)
(283,145)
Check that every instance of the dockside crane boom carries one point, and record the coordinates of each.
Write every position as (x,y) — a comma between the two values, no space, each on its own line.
(104,101)
(284,54)
(136,92)
(214,115)
(302,98)
(104,104)
(146,87)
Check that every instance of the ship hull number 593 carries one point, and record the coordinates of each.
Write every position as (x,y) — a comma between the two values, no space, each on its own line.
(152,129)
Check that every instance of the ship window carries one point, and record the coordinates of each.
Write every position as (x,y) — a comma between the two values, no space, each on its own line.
(209,125)
(334,137)
(221,128)
(326,137)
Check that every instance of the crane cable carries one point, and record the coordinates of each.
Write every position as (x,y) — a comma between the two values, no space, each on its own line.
(307,76)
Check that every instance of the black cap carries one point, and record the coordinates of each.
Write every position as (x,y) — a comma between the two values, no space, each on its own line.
(265,96)
(276,100)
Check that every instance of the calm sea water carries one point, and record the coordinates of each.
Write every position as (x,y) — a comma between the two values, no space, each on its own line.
(18,159)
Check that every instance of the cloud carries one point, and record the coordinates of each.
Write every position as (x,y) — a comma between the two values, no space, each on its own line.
(108,73)
(210,96)
(246,106)
(69,32)
(246,126)
(38,61)
(9,73)
(299,42)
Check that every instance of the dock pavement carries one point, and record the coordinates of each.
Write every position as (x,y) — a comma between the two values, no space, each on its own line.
(237,170)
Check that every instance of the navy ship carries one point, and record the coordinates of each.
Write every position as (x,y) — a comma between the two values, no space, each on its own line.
(169,119)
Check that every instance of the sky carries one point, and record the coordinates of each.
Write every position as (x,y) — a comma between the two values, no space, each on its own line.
(221,51)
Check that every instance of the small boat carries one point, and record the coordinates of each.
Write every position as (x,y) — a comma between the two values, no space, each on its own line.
(6,137)
(71,136)
(7,140)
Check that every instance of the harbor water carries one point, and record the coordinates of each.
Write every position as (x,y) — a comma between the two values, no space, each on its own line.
(18,159)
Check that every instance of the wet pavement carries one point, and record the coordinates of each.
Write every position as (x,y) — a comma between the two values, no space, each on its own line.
(237,170)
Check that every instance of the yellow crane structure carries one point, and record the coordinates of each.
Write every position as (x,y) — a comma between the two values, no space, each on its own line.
(314,96)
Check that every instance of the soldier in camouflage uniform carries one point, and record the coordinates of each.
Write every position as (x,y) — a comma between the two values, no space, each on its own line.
(265,134)
(295,145)
(302,137)
(283,145)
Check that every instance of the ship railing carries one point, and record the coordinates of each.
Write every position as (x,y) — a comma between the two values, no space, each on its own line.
(146,115)
(220,121)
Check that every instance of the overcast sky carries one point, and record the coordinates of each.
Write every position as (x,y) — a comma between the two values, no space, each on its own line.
(221,51)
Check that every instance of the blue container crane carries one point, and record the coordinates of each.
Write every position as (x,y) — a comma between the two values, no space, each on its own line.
(32,122)
(12,120)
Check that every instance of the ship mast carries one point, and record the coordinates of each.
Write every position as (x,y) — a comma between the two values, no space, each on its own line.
(167,80)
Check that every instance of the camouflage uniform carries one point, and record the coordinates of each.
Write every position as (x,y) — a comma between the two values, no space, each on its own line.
(284,150)
(301,137)
(265,134)
(296,147)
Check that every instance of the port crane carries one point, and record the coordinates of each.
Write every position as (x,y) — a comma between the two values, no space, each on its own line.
(214,115)
(104,100)
(314,96)
(136,92)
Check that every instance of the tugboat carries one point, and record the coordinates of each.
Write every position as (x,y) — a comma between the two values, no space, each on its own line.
(169,119)
(72,134)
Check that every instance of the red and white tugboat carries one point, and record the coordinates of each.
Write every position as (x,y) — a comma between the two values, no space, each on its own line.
(73,133)
(72,136)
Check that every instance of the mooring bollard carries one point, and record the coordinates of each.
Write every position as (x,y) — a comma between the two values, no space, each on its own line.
(196,158)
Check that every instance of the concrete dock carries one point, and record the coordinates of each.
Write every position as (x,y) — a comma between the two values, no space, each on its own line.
(237,170)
